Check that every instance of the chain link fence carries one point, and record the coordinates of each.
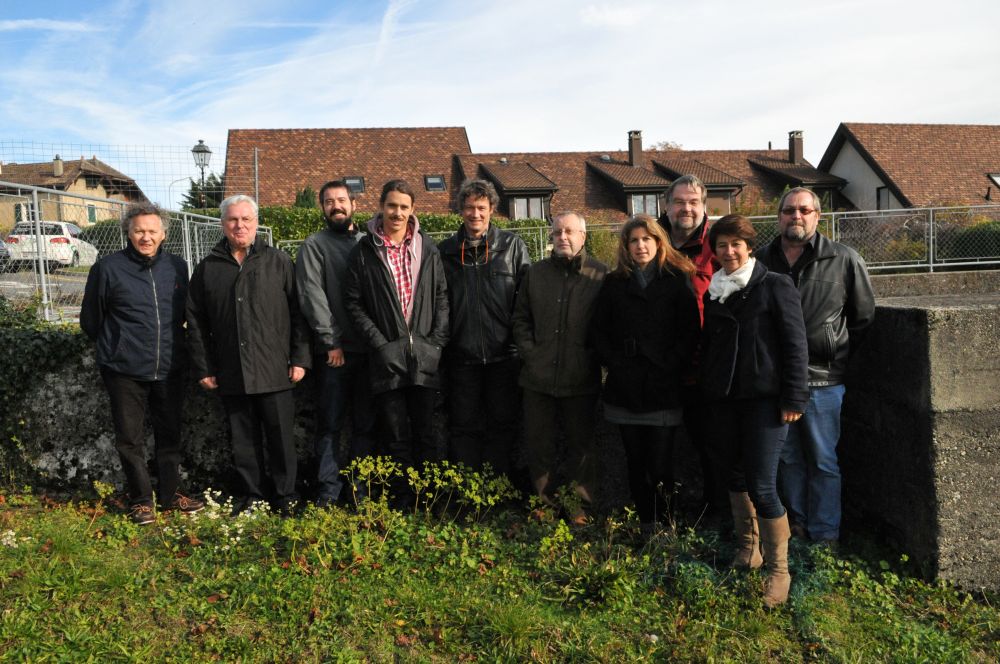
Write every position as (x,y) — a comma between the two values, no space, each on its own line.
(55,237)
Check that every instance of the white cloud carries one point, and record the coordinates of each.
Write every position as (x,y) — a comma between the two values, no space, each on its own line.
(616,16)
(48,25)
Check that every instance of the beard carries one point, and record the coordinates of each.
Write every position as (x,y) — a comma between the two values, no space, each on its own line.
(795,233)
(339,225)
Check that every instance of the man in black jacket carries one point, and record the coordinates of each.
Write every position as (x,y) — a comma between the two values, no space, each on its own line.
(249,342)
(483,265)
(397,298)
(133,307)
(341,357)
(837,304)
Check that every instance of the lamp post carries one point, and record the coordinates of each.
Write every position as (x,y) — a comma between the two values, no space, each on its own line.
(202,155)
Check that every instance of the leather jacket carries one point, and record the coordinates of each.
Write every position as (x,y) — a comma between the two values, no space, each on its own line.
(837,302)
(482,283)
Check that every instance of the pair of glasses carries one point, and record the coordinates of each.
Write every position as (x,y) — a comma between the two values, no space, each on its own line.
(802,210)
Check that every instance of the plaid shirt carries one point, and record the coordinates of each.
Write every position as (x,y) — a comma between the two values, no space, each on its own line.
(401,268)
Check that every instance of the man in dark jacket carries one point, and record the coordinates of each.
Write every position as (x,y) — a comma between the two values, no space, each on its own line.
(483,265)
(340,356)
(837,304)
(561,375)
(397,298)
(248,341)
(133,307)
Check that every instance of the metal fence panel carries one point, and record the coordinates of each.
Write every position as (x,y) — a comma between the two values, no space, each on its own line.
(56,236)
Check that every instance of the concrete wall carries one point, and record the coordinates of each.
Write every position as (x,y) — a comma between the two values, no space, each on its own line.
(920,449)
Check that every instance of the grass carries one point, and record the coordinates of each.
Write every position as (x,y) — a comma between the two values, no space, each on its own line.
(470,582)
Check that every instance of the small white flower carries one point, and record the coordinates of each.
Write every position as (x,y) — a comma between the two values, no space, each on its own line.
(8,538)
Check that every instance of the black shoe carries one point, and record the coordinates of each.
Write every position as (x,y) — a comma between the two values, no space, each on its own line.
(186,505)
(142,515)
(325,502)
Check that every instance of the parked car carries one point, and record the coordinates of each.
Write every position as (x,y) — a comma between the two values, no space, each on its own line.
(4,257)
(60,240)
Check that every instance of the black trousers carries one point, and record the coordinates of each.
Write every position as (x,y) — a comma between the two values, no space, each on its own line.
(406,422)
(649,451)
(484,402)
(544,417)
(252,419)
(129,400)
(697,417)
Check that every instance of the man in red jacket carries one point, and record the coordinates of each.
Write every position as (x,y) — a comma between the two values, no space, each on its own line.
(687,223)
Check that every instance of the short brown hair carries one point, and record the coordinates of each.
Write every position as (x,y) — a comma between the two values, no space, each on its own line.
(735,225)
(397,185)
(142,209)
(475,189)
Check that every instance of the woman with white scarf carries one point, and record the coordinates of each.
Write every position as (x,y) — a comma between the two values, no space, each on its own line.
(753,368)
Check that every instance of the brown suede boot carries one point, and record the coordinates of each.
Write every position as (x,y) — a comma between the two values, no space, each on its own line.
(774,535)
(747,536)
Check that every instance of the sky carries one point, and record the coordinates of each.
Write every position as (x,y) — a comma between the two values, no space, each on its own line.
(520,75)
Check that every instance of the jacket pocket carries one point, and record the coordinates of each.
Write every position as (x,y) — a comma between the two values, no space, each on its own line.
(426,355)
(391,358)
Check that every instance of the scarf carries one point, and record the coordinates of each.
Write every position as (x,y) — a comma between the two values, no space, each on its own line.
(723,285)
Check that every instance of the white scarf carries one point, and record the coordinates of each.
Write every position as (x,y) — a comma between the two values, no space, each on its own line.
(723,285)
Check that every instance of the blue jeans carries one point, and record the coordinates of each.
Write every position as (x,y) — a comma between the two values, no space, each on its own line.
(809,474)
(337,386)
(751,435)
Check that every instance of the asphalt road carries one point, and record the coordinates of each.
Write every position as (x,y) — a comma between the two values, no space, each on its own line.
(65,289)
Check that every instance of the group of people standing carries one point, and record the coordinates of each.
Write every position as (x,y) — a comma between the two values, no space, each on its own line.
(746,348)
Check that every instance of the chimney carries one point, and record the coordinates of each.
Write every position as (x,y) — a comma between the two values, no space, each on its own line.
(57,167)
(634,147)
(795,146)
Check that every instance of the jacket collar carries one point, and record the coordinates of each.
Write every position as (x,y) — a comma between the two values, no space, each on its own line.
(145,261)
(574,264)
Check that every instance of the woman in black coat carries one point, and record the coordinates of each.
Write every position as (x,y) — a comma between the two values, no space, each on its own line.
(754,365)
(645,330)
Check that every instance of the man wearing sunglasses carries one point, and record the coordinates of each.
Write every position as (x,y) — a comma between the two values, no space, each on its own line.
(484,266)
(837,304)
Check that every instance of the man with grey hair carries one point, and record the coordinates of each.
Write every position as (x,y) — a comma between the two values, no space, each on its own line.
(483,265)
(837,304)
(133,307)
(249,342)
(561,376)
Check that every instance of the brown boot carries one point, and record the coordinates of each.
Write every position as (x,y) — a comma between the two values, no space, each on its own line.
(774,535)
(747,535)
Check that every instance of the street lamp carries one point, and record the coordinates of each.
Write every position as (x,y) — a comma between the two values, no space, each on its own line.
(202,155)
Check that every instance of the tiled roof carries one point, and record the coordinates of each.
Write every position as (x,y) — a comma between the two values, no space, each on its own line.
(761,186)
(926,164)
(627,176)
(291,159)
(580,188)
(40,174)
(517,176)
(799,174)
(676,165)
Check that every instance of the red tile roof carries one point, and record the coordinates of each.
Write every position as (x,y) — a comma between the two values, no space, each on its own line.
(41,175)
(926,164)
(291,159)
(518,176)
(627,176)
(676,165)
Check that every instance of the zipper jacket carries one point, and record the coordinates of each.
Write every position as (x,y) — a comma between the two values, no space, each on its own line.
(482,285)
(133,308)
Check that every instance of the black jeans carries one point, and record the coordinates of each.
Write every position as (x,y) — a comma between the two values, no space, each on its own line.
(129,399)
(697,416)
(649,452)
(252,417)
(484,401)
(406,419)
(577,415)
(751,434)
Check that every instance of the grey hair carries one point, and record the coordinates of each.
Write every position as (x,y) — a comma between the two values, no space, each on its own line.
(691,181)
(566,213)
(142,209)
(233,200)
(801,190)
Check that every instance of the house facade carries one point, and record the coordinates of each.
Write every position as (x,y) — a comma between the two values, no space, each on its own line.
(75,178)
(887,166)
(602,185)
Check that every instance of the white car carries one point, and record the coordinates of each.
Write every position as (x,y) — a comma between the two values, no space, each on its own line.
(61,245)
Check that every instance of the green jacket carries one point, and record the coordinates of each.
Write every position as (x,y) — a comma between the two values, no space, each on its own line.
(552,315)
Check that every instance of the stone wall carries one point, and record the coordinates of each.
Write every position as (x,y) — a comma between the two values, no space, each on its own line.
(920,449)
